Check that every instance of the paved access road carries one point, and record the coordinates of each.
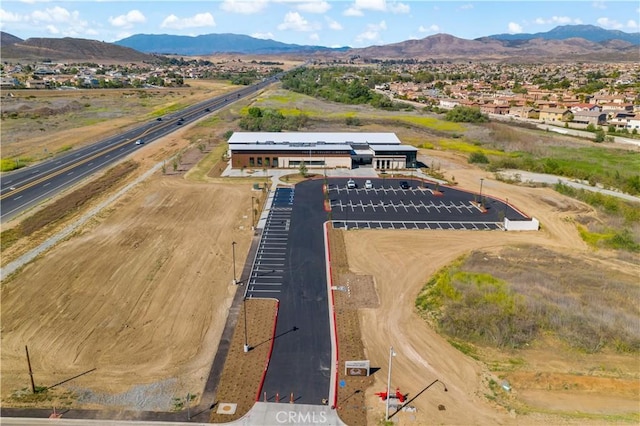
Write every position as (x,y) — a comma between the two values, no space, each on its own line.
(290,266)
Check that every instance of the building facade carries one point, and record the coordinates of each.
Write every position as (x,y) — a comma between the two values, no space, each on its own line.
(262,150)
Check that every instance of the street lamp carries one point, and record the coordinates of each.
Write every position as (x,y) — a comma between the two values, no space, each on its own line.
(253,213)
(233,251)
(246,337)
(391,355)
(481,180)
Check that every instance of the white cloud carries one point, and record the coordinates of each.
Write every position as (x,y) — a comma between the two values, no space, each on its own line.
(599,5)
(430,29)
(380,5)
(314,37)
(264,36)
(333,25)
(196,21)
(245,7)
(9,17)
(357,8)
(127,21)
(399,8)
(352,11)
(558,20)
(319,7)
(514,28)
(58,20)
(631,24)
(609,23)
(295,22)
(372,32)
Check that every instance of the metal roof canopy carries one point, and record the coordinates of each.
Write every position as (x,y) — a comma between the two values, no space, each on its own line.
(401,148)
(235,147)
(317,138)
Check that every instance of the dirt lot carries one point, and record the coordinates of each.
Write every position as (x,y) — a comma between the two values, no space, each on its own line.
(142,295)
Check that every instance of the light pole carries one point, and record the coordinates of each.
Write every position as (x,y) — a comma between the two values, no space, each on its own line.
(246,337)
(481,203)
(233,251)
(391,355)
(253,213)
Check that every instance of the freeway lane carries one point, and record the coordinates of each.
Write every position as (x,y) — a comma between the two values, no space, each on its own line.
(29,186)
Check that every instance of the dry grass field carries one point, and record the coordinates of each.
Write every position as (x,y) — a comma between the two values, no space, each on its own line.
(141,295)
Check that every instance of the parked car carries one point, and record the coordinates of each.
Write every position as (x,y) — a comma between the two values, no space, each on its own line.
(351,184)
(368,184)
(404,184)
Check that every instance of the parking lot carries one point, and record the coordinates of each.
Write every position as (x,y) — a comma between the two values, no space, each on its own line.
(413,204)
(266,277)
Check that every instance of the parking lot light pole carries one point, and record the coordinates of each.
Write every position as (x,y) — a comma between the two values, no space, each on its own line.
(233,251)
(391,355)
(246,337)
(253,212)
(481,180)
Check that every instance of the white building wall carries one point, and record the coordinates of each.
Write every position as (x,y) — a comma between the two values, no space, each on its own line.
(521,225)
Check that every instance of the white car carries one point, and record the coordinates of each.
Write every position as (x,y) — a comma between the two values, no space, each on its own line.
(368,184)
(139,142)
(351,184)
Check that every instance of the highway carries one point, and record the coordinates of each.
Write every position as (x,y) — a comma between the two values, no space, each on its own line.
(26,187)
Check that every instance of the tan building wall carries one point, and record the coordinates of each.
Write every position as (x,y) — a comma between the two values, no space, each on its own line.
(260,160)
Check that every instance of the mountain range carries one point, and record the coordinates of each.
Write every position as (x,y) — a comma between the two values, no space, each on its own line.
(563,43)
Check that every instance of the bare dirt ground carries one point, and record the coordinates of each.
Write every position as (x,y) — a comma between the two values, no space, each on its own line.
(401,264)
(141,295)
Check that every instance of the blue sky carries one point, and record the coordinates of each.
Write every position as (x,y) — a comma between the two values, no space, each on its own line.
(355,23)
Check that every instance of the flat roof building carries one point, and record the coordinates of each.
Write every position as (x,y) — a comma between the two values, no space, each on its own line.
(319,149)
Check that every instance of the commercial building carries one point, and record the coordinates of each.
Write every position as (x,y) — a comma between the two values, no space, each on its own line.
(320,150)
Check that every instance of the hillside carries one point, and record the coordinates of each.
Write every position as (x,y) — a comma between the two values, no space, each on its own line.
(448,47)
(212,43)
(563,32)
(71,50)
(7,39)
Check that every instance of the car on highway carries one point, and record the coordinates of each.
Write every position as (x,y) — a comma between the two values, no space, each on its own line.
(368,184)
(159,119)
(351,184)
(404,184)
(139,142)
(207,109)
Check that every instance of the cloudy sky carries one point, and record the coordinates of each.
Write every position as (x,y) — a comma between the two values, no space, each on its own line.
(356,23)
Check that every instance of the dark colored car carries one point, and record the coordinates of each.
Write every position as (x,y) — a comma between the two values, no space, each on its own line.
(404,184)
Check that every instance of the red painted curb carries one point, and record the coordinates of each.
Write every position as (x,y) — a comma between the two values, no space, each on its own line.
(266,366)
(335,323)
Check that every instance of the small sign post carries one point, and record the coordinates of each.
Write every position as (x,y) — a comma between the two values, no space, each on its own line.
(357,368)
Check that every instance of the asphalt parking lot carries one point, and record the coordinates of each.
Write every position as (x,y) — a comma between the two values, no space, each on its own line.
(420,205)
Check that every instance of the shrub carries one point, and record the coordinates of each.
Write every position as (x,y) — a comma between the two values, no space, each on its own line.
(460,114)
(478,157)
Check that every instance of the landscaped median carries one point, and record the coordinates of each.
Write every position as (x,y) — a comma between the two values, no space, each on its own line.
(243,371)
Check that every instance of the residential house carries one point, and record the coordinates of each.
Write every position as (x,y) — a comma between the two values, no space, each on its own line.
(597,118)
(494,109)
(555,115)
(622,120)
(525,112)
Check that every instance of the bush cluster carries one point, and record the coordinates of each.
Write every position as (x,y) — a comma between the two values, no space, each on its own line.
(513,311)
(271,120)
